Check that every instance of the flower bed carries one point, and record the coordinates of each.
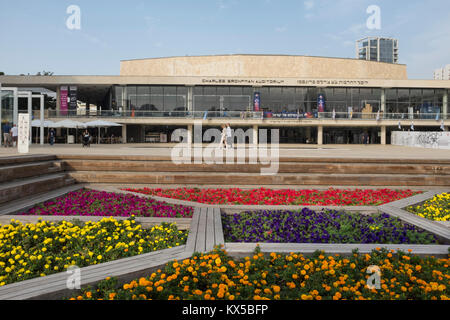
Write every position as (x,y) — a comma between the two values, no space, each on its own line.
(97,203)
(36,250)
(262,196)
(217,276)
(308,226)
(437,209)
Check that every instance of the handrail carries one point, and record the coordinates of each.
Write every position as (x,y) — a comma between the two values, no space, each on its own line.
(208,115)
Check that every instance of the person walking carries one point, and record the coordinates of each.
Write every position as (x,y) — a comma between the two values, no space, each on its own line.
(229,142)
(14,134)
(6,137)
(366,138)
(223,137)
(51,136)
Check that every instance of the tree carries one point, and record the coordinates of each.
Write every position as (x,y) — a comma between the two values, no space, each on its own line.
(2,73)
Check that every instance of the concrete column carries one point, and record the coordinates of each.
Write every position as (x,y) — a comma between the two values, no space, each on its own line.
(16,108)
(383,135)
(41,100)
(124,134)
(383,100)
(320,135)
(58,100)
(445,105)
(190,133)
(30,115)
(255,135)
(190,99)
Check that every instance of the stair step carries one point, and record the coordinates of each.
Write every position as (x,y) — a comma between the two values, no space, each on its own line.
(118,158)
(21,205)
(5,161)
(143,166)
(25,187)
(258,179)
(26,170)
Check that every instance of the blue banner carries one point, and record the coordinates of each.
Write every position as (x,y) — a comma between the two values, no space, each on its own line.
(257,102)
(321,103)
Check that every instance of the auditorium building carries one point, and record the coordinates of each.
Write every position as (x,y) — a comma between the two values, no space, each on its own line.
(313,100)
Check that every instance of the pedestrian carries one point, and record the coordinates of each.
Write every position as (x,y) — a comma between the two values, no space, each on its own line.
(229,137)
(223,137)
(51,136)
(366,138)
(86,139)
(6,137)
(14,134)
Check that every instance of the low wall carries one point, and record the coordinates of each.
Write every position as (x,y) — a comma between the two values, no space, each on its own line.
(436,140)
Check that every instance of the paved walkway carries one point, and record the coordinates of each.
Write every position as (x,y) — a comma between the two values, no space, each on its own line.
(304,151)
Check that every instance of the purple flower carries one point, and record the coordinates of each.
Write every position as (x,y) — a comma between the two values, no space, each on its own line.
(99,203)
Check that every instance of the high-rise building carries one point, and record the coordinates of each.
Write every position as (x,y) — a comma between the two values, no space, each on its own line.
(377,49)
(442,73)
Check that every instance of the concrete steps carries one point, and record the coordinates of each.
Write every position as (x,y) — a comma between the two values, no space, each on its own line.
(27,176)
(25,187)
(284,167)
(170,178)
(158,170)
(27,170)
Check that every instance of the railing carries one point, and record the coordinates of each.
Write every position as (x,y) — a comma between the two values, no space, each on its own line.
(157,114)
(382,116)
(207,115)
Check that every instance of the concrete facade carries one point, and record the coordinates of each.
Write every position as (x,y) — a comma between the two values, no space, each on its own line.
(270,66)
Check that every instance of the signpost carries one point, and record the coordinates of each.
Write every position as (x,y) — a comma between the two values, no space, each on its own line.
(23,141)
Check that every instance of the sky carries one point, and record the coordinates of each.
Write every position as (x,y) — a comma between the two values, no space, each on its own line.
(34,35)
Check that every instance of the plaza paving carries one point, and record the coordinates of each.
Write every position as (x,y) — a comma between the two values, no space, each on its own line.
(301,151)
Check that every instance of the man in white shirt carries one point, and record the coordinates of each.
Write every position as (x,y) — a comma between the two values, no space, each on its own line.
(229,137)
(14,134)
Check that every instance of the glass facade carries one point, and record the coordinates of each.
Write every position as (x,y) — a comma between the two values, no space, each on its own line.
(150,98)
(420,100)
(378,49)
(212,98)
(170,99)
(7,106)
(387,50)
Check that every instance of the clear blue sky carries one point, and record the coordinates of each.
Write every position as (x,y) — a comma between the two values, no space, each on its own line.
(34,37)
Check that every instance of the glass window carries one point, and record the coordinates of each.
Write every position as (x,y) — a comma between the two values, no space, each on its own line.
(182,93)
(276,100)
(157,99)
(265,98)
(118,97)
(207,101)
(132,97)
(170,98)
(143,98)
(7,97)
(403,95)
(428,96)
(416,97)
(391,95)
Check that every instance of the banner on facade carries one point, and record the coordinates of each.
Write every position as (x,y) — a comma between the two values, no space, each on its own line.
(321,103)
(257,102)
(64,100)
(23,139)
(73,98)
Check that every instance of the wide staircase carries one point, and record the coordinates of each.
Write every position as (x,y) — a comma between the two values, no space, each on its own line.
(291,172)
(26,176)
